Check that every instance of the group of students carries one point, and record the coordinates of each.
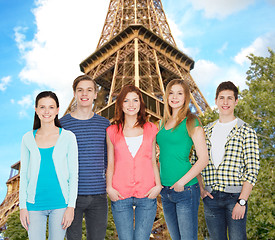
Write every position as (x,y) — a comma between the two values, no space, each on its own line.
(68,167)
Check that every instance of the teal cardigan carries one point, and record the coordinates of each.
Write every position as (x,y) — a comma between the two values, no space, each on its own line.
(65,158)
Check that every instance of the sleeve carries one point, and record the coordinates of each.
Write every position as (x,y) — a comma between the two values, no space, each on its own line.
(105,149)
(110,131)
(251,157)
(154,129)
(73,170)
(105,155)
(24,165)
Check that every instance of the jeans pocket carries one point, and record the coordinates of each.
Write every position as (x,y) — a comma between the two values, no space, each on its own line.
(181,196)
(186,189)
(206,198)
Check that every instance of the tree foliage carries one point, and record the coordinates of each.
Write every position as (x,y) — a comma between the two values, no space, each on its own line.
(257,102)
(256,107)
(14,230)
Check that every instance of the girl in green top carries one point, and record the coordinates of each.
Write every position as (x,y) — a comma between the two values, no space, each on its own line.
(179,131)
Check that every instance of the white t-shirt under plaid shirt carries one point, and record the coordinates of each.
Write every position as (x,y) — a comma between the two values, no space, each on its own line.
(218,140)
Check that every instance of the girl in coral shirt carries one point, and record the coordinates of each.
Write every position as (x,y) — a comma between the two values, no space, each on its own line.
(132,174)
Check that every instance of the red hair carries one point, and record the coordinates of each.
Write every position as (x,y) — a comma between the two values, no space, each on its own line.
(119,114)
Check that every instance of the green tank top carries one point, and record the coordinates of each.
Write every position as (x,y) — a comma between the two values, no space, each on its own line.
(175,146)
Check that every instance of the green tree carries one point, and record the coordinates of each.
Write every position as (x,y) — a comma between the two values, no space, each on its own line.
(14,230)
(257,102)
(256,107)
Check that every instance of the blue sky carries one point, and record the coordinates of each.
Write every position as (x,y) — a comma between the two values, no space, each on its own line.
(42,43)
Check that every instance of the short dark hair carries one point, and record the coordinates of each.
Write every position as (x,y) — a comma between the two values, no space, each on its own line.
(45,94)
(83,78)
(227,86)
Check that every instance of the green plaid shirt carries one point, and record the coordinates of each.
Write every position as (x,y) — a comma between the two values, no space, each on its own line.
(241,159)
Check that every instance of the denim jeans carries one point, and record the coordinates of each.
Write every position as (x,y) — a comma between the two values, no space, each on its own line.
(144,214)
(95,210)
(181,212)
(218,216)
(38,224)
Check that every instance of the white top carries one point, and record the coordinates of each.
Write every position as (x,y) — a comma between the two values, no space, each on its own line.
(133,144)
(218,140)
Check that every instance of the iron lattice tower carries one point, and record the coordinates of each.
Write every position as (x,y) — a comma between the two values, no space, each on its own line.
(11,201)
(136,47)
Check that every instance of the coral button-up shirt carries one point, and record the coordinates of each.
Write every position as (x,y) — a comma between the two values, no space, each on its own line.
(133,176)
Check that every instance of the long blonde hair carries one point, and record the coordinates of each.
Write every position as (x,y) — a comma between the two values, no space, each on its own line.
(184,112)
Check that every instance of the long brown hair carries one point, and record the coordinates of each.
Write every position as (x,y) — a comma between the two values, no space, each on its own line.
(119,114)
(184,112)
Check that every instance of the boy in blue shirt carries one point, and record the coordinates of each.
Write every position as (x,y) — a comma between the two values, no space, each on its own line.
(90,131)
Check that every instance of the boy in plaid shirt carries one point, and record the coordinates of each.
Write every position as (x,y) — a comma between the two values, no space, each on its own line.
(232,170)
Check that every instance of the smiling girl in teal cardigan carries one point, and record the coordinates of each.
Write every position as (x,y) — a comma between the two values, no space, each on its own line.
(49,173)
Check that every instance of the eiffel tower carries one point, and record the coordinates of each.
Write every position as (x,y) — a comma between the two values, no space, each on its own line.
(11,201)
(136,47)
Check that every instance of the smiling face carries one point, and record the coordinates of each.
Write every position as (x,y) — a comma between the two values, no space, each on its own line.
(176,97)
(226,103)
(131,104)
(85,93)
(46,110)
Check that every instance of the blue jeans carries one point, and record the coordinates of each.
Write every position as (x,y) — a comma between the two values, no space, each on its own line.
(95,210)
(218,216)
(144,213)
(181,212)
(38,224)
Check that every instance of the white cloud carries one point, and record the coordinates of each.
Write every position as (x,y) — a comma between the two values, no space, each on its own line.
(26,101)
(223,48)
(67,33)
(205,72)
(209,75)
(20,39)
(4,82)
(23,114)
(238,77)
(178,35)
(220,8)
(258,47)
